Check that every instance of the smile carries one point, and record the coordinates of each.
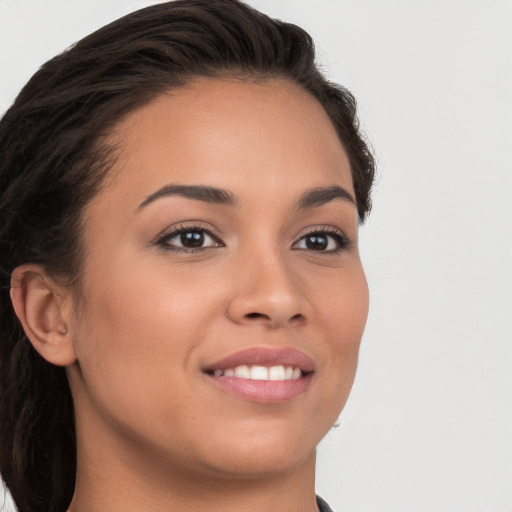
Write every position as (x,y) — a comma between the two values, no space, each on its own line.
(256,372)
(264,375)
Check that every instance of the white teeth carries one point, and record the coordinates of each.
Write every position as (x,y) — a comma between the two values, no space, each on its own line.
(255,372)
(259,373)
(243,372)
(276,373)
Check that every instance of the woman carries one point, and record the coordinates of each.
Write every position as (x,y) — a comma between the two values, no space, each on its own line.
(180,200)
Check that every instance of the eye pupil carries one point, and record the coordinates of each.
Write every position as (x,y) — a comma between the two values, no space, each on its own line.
(317,242)
(192,239)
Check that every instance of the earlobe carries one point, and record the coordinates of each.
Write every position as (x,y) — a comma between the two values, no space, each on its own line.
(41,312)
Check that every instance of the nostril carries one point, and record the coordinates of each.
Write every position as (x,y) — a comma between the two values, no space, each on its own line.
(256,315)
(297,319)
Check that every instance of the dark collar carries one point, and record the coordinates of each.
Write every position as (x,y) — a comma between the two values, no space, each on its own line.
(322,505)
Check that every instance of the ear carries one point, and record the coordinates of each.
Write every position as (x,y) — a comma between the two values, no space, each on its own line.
(40,305)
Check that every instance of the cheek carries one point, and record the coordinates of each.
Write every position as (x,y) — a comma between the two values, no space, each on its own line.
(151,305)
(342,307)
(139,333)
(342,314)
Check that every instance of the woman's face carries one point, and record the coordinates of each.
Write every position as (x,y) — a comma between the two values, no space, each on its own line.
(224,294)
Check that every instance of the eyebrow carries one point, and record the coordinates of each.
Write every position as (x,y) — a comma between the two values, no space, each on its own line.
(322,195)
(310,199)
(199,192)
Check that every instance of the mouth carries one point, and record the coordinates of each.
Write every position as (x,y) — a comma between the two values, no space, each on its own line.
(256,372)
(264,375)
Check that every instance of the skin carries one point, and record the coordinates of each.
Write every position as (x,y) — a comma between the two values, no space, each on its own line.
(154,434)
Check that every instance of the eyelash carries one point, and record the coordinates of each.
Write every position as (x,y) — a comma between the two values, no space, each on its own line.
(163,241)
(340,239)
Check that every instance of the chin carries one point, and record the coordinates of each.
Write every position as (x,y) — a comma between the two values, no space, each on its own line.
(263,463)
(266,451)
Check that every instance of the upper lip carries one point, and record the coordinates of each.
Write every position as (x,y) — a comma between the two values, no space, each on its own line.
(265,356)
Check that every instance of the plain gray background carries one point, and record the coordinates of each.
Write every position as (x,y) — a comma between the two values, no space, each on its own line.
(428,427)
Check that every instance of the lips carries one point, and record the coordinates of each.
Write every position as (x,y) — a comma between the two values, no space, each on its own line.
(265,375)
(263,356)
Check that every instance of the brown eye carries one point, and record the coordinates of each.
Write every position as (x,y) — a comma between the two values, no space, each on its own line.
(193,238)
(322,241)
(317,242)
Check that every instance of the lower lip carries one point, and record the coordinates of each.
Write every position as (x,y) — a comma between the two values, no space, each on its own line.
(264,391)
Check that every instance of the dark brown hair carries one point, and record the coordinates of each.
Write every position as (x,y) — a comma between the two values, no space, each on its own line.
(54,157)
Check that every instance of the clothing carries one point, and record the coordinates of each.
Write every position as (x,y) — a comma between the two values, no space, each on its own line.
(322,505)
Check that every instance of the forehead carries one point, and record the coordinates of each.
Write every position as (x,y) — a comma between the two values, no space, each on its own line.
(232,134)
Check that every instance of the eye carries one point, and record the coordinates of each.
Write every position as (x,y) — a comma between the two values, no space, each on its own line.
(323,241)
(189,239)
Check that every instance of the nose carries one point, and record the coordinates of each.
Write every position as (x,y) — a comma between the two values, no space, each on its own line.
(267,292)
